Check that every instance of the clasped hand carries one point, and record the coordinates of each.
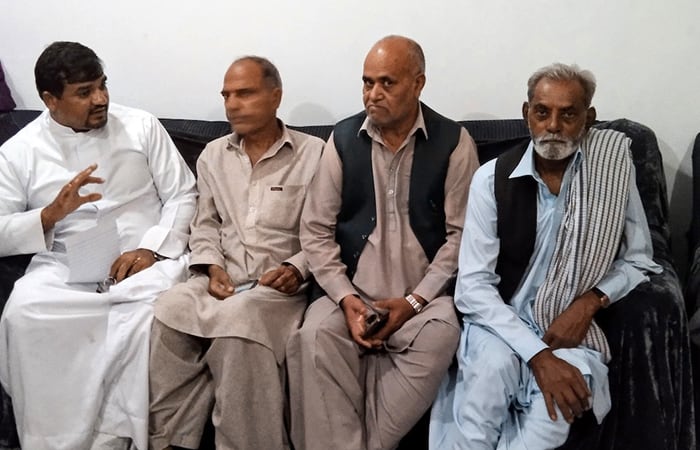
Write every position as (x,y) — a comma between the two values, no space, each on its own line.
(355,311)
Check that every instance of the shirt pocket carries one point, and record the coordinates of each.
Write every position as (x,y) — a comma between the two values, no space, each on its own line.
(280,206)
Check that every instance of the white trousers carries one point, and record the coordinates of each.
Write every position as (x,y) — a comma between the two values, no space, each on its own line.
(75,362)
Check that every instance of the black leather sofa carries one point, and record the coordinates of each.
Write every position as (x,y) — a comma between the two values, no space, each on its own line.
(651,379)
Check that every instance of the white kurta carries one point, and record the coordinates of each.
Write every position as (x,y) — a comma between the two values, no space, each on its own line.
(75,362)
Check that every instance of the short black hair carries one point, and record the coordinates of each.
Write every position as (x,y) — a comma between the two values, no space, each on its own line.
(65,62)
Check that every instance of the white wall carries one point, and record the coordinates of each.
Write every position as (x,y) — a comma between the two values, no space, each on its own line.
(169,57)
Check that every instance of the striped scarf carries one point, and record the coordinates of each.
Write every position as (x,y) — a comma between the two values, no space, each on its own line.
(591,229)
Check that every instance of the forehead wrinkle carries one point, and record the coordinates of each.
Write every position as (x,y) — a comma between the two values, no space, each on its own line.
(390,66)
(558,92)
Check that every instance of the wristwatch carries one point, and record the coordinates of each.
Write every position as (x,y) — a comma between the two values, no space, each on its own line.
(602,296)
(417,306)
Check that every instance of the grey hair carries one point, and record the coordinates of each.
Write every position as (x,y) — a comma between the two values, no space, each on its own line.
(270,74)
(415,51)
(563,72)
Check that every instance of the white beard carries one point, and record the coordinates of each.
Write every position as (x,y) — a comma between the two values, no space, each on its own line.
(558,147)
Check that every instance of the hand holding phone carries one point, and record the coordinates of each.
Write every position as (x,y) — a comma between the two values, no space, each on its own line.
(375,318)
(245,286)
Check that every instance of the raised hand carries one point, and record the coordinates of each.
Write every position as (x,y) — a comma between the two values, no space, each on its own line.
(68,198)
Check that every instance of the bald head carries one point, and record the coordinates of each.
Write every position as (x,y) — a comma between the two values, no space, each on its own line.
(404,48)
(393,78)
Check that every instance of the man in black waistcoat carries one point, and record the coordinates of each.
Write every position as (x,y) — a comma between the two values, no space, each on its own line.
(556,232)
(381,229)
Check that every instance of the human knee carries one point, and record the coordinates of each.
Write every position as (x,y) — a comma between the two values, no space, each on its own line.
(443,335)
(492,360)
(17,304)
(168,343)
(323,331)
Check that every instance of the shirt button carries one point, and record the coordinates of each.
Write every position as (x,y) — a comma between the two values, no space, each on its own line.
(391,192)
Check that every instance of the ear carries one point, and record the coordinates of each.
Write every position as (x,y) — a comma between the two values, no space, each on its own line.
(590,117)
(420,83)
(277,94)
(526,109)
(50,100)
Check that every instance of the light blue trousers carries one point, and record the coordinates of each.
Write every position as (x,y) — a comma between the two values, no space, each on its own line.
(490,400)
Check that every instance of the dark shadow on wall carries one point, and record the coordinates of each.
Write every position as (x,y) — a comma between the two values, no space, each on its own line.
(680,206)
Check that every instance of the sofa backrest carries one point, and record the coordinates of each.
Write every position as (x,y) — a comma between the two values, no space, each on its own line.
(491,136)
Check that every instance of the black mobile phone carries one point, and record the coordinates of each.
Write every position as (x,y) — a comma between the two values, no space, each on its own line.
(375,318)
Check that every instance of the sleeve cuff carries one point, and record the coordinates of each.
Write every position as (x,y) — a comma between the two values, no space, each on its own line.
(164,241)
(198,260)
(299,261)
(27,235)
(529,347)
(431,286)
(339,289)
(615,290)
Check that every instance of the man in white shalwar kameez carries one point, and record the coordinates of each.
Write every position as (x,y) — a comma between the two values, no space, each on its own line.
(97,191)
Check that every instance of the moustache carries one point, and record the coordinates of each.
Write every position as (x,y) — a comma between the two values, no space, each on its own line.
(551,137)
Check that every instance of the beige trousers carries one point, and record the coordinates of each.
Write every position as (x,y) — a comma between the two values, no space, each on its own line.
(342,397)
(238,378)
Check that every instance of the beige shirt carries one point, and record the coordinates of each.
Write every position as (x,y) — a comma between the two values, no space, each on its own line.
(392,262)
(247,218)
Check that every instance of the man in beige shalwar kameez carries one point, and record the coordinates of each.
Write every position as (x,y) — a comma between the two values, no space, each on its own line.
(218,342)
(381,224)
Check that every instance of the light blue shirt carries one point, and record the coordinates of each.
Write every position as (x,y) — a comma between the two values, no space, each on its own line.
(476,293)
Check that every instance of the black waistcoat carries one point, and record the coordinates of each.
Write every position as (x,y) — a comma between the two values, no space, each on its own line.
(357,217)
(516,206)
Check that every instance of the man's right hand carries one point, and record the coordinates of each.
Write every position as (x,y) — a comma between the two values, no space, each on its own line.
(220,284)
(355,311)
(561,384)
(68,198)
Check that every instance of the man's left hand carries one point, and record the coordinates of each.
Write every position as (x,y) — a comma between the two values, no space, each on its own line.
(399,312)
(286,279)
(131,262)
(569,329)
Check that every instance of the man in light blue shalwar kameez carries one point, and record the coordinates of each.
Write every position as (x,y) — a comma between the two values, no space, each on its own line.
(529,364)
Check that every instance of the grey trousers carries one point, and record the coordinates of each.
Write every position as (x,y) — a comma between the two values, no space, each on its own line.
(238,378)
(343,397)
